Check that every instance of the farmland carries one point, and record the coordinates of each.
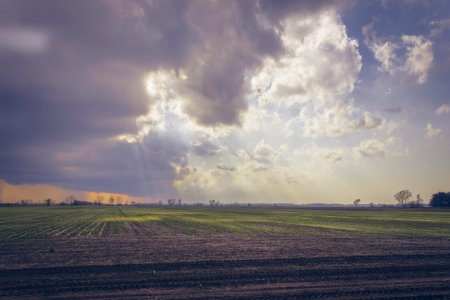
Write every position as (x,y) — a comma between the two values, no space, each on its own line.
(198,252)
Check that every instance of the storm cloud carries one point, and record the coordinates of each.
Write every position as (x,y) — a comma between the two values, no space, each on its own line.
(72,82)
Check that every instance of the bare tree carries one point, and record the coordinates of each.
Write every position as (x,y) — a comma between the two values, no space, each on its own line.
(171,202)
(99,199)
(402,197)
(48,201)
(419,200)
(356,202)
(70,199)
(119,200)
(111,200)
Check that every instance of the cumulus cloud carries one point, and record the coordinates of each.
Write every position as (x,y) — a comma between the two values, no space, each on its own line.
(316,73)
(371,148)
(419,56)
(383,50)
(264,153)
(411,54)
(215,88)
(340,119)
(443,109)
(320,62)
(431,131)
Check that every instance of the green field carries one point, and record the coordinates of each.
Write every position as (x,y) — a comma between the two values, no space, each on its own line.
(60,221)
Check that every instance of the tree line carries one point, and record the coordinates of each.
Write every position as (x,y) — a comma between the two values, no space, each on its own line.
(440,199)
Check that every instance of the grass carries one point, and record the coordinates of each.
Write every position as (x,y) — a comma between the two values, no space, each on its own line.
(38,222)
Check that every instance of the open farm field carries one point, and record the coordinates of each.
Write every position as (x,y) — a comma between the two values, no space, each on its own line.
(231,253)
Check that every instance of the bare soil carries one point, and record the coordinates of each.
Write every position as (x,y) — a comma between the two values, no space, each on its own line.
(162,264)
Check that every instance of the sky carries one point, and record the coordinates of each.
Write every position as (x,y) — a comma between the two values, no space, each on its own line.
(258,101)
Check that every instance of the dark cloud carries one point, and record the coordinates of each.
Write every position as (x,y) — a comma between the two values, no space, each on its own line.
(145,168)
(71,80)
(232,41)
(225,167)
(150,34)
(278,10)
(68,106)
(393,110)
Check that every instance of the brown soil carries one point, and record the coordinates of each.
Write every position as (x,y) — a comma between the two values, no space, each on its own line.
(166,265)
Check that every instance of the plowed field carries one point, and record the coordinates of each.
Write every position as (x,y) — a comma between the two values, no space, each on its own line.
(213,253)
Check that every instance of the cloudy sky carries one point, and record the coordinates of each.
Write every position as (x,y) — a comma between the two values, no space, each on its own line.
(248,101)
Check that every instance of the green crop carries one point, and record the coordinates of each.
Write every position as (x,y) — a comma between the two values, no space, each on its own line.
(39,222)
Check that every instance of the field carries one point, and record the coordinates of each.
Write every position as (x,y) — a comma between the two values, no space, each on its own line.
(230,253)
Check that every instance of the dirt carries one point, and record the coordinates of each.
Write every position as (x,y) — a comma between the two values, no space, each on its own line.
(168,265)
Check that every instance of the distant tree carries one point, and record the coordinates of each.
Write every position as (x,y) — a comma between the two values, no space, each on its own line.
(356,202)
(70,199)
(160,203)
(48,202)
(402,197)
(111,200)
(99,199)
(440,199)
(171,202)
(371,204)
(84,203)
(212,202)
(419,200)
(119,200)
(179,202)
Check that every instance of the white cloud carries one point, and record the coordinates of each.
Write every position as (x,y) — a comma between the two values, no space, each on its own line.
(431,131)
(383,50)
(370,148)
(319,69)
(265,154)
(340,119)
(443,109)
(320,62)
(419,56)
(440,27)
(411,54)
